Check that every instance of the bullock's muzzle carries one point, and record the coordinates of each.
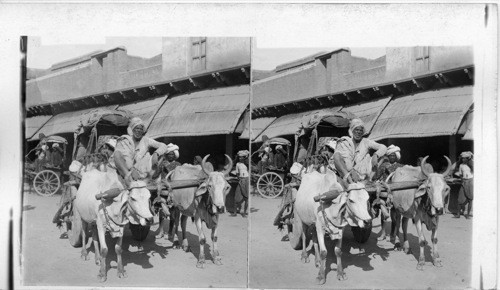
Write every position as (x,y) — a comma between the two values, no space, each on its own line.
(221,209)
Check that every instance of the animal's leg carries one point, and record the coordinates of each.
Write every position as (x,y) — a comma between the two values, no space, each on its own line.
(436,260)
(395,235)
(95,239)
(104,251)
(215,253)
(382,228)
(119,261)
(338,252)
(202,240)
(161,225)
(320,236)
(175,217)
(406,244)
(421,242)
(85,253)
(185,244)
(304,257)
(317,259)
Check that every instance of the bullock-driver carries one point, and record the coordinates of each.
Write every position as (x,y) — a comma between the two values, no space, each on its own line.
(241,193)
(352,158)
(162,205)
(132,148)
(464,170)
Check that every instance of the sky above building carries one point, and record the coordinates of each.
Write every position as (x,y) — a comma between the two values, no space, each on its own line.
(42,56)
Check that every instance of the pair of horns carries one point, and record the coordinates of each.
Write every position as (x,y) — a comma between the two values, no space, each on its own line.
(424,170)
(226,172)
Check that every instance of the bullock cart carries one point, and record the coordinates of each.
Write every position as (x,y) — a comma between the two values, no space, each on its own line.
(97,126)
(269,178)
(314,133)
(43,176)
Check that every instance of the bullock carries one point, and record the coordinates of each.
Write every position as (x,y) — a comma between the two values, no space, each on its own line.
(203,203)
(423,205)
(110,214)
(350,207)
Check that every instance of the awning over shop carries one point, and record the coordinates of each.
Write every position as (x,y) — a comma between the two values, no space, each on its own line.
(290,124)
(466,127)
(368,111)
(145,109)
(434,113)
(258,125)
(243,123)
(66,122)
(33,124)
(208,112)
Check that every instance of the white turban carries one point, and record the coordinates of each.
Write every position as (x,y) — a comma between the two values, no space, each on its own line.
(55,145)
(243,153)
(394,149)
(279,147)
(332,144)
(356,123)
(134,122)
(466,154)
(173,148)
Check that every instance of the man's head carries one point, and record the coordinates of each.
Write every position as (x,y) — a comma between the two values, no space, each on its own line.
(172,152)
(357,129)
(393,153)
(136,128)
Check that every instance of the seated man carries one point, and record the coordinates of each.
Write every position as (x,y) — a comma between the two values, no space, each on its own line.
(390,164)
(132,148)
(352,155)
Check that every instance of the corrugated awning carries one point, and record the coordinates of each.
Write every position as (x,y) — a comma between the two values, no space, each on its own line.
(66,122)
(33,124)
(290,124)
(145,110)
(208,112)
(368,112)
(258,125)
(435,113)
(466,127)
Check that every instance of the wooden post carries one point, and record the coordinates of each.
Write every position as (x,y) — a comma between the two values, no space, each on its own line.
(229,145)
(452,148)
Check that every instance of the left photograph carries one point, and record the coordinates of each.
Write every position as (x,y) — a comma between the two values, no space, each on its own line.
(136,163)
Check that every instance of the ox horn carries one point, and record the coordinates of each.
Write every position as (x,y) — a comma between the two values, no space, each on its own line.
(230,165)
(168,175)
(422,165)
(448,169)
(207,172)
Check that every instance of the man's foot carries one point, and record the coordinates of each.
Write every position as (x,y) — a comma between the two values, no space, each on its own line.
(457,216)
(244,214)
(233,214)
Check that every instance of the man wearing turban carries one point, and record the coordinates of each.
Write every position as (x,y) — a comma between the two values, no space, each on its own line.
(133,147)
(242,189)
(390,165)
(352,156)
(466,192)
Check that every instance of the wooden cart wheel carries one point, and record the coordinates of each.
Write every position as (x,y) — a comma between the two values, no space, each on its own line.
(74,226)
(270,185)
(139,233)
(46,183)
(361,235)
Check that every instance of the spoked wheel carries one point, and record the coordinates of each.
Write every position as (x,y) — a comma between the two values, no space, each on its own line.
(46,183)
(270,185)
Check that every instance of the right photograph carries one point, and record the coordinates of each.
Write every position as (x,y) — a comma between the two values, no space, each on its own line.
(361,167)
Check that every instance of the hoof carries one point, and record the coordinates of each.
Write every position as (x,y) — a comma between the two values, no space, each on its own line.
(217,261)
(171,237)
(320,280)
(160,235)
(176,245)
(420,266)
(85,257)
(122,274)
(437,262)
(381,238)
(397,246)
(186,249)
(341,276)
(304,259)
(98,262)
(102,278)
(200,264)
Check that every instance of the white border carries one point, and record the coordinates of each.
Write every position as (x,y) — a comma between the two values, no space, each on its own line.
(290,25)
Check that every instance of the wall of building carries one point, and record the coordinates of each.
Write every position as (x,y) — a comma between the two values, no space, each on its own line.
(221,53)
(401,60)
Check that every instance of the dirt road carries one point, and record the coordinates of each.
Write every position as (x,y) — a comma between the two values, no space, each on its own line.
(51,261)
(274,264)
